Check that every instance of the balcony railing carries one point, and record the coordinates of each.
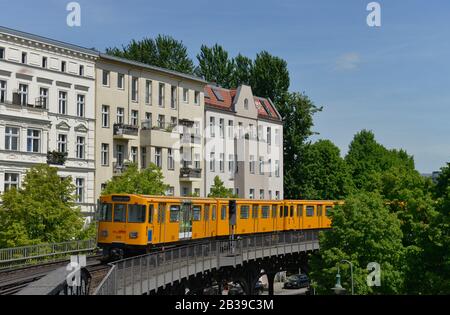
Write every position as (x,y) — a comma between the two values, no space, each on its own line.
(190,172)
(191,139)
(56,158)
(39,103)
(122,129)
(119,168)
(168,127)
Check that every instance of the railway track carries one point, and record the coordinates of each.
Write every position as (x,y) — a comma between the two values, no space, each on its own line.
(14,280)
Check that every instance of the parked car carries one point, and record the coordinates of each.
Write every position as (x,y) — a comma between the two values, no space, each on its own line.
(297,282)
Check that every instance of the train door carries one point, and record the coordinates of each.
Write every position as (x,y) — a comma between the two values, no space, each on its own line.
(289,216)
(214,220)
(300,216)
(162,222)
(206,218)
(309,219)
(255,211)
(151,224)
(319,216)
(280,220)
(185,225)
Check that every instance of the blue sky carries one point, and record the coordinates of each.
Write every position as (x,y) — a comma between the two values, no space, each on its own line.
(394,80)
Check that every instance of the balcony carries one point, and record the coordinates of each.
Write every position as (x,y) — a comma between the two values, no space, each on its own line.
(159,135)
(190,139)
(190,174)
(125,132)
(119,168)
(40,103)
(56,158)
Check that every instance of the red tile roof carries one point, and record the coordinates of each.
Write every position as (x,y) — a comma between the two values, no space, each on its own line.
(263,105)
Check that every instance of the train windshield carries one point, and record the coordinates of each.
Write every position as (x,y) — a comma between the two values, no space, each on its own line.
(120,211)
(136,213)
(105,214)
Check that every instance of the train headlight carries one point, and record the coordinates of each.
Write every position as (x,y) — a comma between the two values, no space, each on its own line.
(104,233)
(134,235)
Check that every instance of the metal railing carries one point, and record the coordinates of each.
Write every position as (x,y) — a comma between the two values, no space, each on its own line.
(144,274)
(123,129)
(31,255)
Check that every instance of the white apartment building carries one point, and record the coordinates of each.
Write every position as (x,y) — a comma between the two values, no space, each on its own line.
(244,143)
(47,104)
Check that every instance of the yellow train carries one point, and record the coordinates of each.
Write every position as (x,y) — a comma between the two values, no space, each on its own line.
(137,223)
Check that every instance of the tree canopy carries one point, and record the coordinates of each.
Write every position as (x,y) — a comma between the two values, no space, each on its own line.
(218,190)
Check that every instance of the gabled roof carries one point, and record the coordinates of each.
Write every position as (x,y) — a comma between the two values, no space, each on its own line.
(220,98)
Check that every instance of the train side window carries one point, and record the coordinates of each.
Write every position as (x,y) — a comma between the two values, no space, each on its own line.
(328,211)
(197,210)
(136,213)
(150,213)
(206,213)
(161,212)
(265,211)
(309,211)
(105,214)
(223,213)
(274,211)
(292,211)
(120,212)
(281,212)
(244,212)
(300,210)
(319,211)
(255,211)
(174,213)
(286,211)
(214,210)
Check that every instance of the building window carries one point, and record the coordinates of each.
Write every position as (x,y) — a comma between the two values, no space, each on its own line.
(134,89)
(62,143)
(105,116)
(170,160)
(270,167)
(197,128)
(62,101)
(23,94)
(119,154)
(158,157)
(161,95)
(277,195)
(260,133)
(212,127)
(81,142)
(33,140)
(222,162)
(43,97)
(240,130)
(170,191)
(2,53)
(222,127)
(246,104)
(105,154)
(173,121)
(252,194)
(120,115)
(186,95)
(79,184)
(173,100)
(261,194)
(134,155)
(277,168)
(277,137)
(44,62)
(143,157)
(2,91)
(252,164)
(261,165)
(230,129)
(134,117)
(105,78)
(63,66)
(80,105)
(120,81)
(231,163)
(197,98)
(11,181)
(24,57)
(212,162)
(148,92)
(161,121)
(12,138)
(269,136)
(197,161)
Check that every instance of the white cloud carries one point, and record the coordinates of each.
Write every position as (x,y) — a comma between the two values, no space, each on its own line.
(348,61)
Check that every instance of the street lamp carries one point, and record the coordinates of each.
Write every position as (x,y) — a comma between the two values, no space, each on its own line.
(351,273)
(338,289)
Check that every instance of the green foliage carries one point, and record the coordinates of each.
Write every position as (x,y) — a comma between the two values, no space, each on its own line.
(242,73)
(323,174)
(218,190)
(363,231)
(149,181)
(163,51)
(214,65)
(42,211)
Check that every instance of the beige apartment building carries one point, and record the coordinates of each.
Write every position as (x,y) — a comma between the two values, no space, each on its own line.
(148,114)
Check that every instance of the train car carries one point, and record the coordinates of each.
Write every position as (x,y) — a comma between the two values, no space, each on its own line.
(134,224)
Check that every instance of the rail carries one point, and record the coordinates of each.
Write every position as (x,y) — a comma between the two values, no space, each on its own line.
(144,274)
(31,255)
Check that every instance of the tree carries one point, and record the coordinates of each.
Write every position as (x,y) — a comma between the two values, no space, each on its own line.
(323,174)
(164,51)
(218,190)
(363,231)
(214,65)
(270,77)
(242,73)
(42,211)
(149,181)
(297,112)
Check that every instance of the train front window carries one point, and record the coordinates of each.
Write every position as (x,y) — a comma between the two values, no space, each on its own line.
(136,213)
(120,212)
(105,214)
(309,211)
(174,213)
(197,213)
